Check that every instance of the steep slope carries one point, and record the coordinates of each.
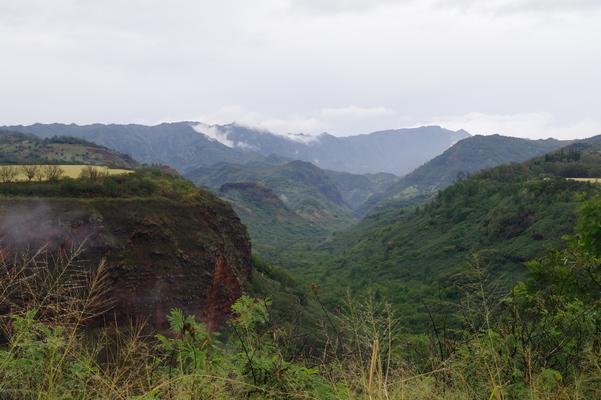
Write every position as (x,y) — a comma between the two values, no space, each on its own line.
(357,189)
(290,208)
(178,145)
(187,145)
(301,186)
(462,159)
(167,244)
(279,235)
(19,148)
(354,189)
(502,216)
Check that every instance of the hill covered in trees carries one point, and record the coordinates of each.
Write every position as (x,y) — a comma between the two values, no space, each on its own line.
(499,218)
(20,148)
(464,158)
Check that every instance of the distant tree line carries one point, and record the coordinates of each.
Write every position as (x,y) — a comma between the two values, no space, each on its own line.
(32,172)
(569,154)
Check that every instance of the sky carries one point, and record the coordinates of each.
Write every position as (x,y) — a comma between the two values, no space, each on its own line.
(527,68)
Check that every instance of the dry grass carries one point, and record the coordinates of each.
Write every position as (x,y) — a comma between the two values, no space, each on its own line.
(70,171)
(589,180)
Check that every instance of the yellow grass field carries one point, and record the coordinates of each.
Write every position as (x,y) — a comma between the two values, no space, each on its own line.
(590,180)
(71,171)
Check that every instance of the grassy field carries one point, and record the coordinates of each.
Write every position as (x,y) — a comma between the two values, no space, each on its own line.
(71,171)
(590,180)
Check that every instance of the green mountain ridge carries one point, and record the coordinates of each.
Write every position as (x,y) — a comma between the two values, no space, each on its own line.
(19,148)
(188,145)
(290,208)
(505,216)
(302,187)
(279,235)
(175,144)
(465,157)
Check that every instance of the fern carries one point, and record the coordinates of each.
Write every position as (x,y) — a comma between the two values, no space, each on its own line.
(176,320)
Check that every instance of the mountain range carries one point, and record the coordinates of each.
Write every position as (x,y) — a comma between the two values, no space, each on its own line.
(469,245)
(396,151)
(188,145)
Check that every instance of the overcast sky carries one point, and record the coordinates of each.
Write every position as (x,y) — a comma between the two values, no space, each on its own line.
(529,68)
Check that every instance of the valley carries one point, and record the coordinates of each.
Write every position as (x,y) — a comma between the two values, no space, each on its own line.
(312,242)
(300,200)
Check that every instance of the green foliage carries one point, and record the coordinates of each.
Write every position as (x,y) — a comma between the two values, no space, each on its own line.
(463,159)
(191,348)
(279,235)
(250,355)
(20,148)
(261,361)
(52,362)
(544,332)
(145,182)
(290,207)
(509,214)
(589,228)
(37,361)
(302,187)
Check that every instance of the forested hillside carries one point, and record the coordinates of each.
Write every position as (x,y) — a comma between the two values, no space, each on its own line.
(475,292)
(279,235)
(302,187)
(466,157)
(499,218)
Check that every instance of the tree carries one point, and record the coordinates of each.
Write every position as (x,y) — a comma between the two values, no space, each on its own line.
(40,174)
(93,173)
(30,171)
(53,172)
(8,173)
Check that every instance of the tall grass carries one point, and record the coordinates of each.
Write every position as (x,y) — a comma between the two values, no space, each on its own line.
(52,348)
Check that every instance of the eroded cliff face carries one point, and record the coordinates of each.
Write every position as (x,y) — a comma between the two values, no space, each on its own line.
(161,253)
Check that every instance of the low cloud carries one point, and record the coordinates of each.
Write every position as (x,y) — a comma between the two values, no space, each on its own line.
(36,224)
(352,120)
(340,121)
(279,125)
(538,125)
(214,133)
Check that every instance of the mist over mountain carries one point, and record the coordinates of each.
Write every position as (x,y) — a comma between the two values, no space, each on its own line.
(175,144)
(187,145)
(393,151)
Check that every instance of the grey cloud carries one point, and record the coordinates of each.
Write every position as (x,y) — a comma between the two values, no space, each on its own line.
(518,6)
(299,65)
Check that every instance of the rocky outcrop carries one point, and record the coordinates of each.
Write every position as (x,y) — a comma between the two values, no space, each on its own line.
(161,253)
